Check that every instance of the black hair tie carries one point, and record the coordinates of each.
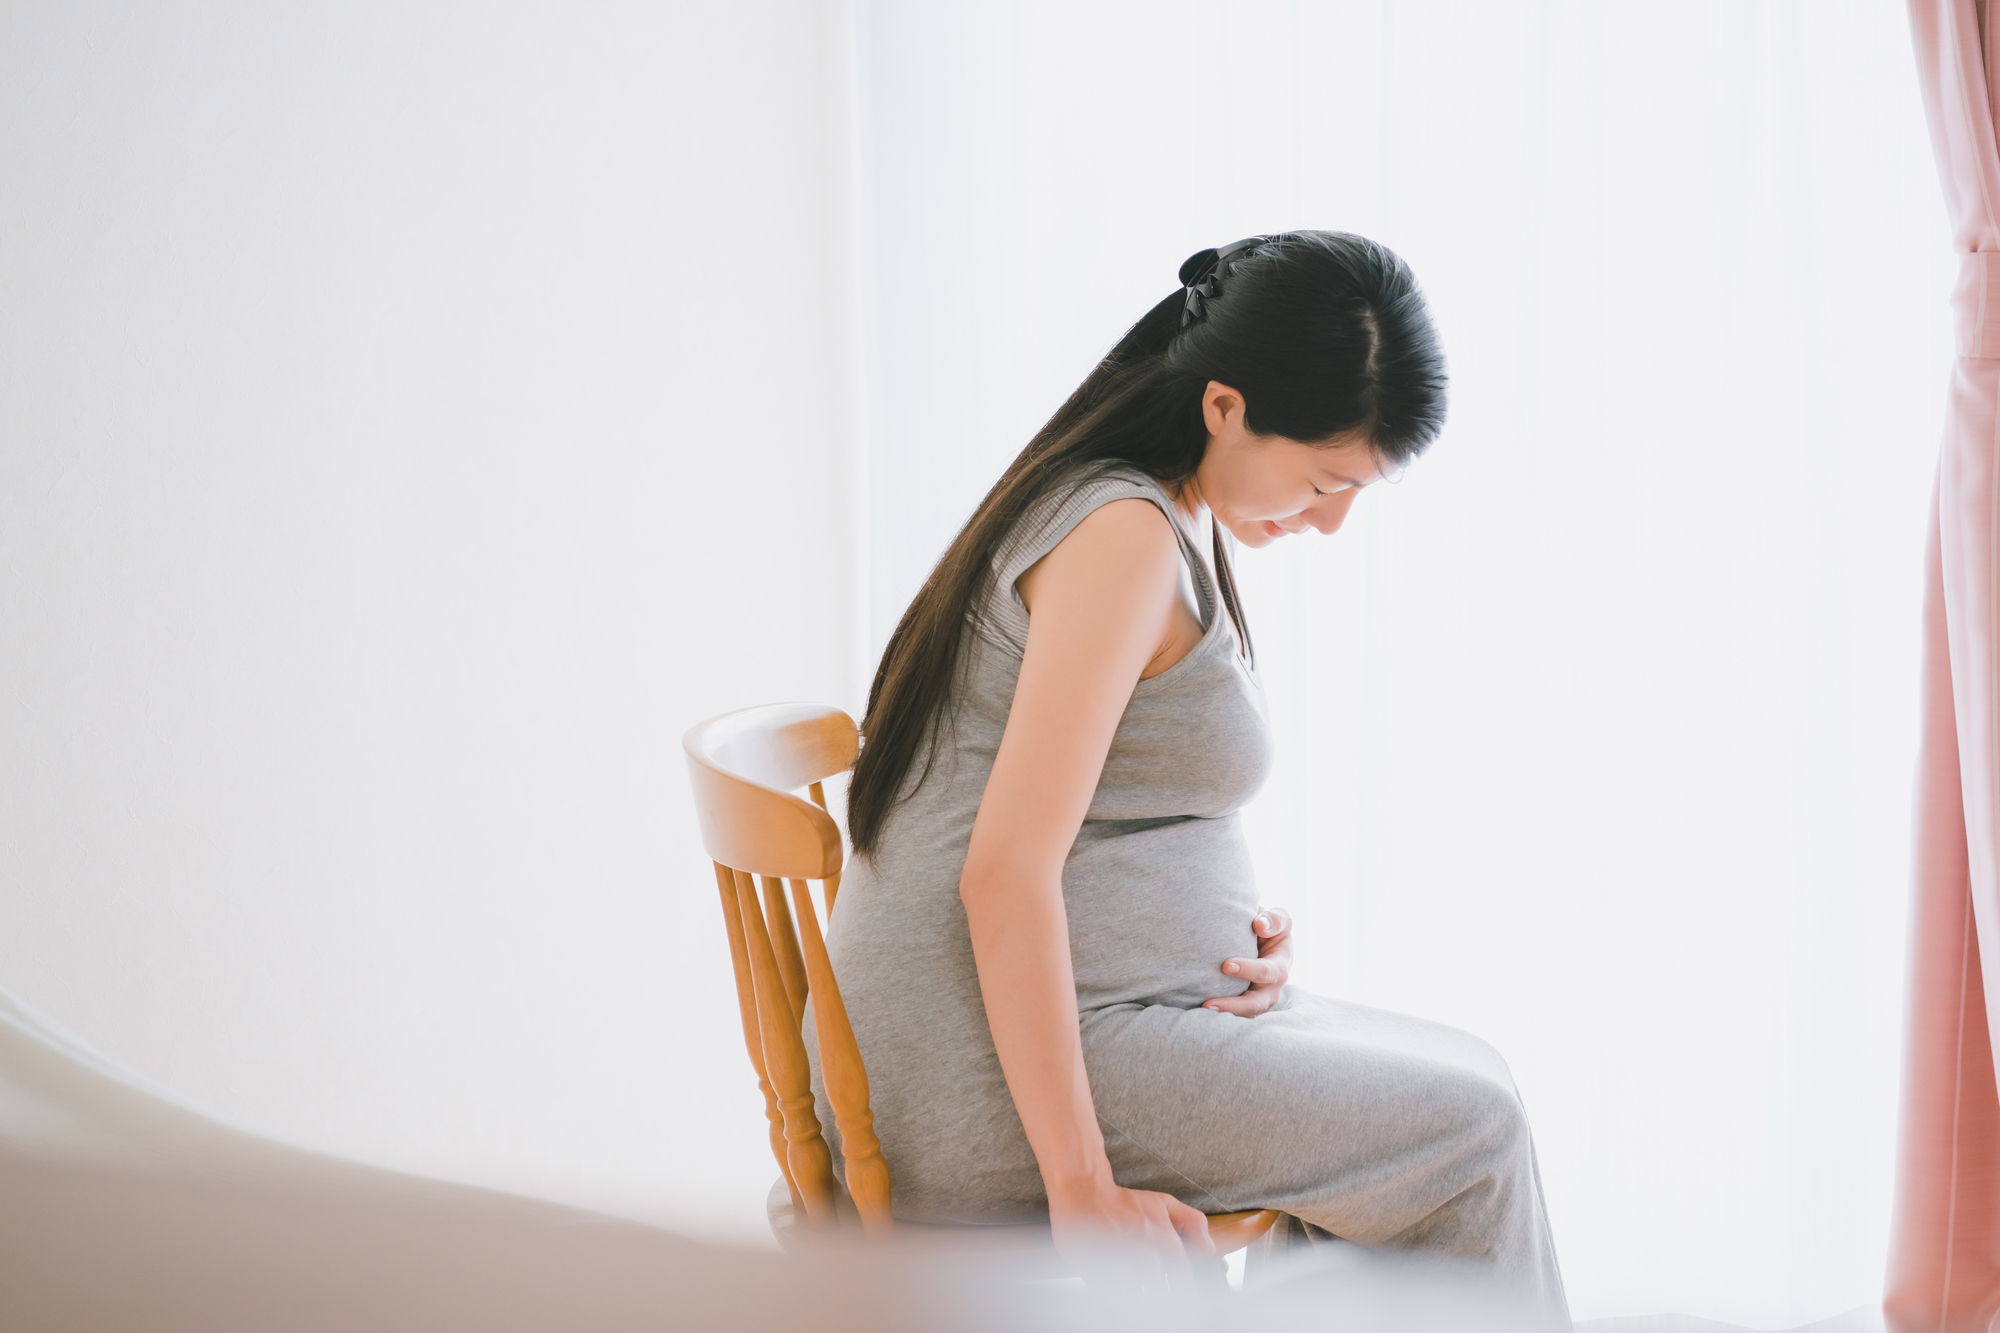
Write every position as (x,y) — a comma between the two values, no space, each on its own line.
(1202,274)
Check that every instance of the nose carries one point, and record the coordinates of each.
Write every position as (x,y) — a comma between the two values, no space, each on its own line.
(1327,516)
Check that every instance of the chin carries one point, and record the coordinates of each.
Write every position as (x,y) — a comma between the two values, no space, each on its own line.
(1250,534)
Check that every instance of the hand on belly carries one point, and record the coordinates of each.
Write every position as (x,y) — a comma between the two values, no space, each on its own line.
(1266,973)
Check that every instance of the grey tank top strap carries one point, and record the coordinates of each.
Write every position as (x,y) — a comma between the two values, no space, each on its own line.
(1003,616)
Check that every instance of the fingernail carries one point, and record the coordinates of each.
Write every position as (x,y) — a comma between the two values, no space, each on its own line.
(1231,968)
(1264,921)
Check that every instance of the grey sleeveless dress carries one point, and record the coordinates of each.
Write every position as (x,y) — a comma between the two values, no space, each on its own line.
(1382,1129)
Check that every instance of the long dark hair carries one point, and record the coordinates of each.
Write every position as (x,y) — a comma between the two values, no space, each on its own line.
(1323,334)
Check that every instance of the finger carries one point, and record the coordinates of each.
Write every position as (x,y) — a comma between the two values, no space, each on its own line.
(1257,1000)
(1256,971)
(1277,946)
(1192,1225)
(1165,1239)
(1272,921)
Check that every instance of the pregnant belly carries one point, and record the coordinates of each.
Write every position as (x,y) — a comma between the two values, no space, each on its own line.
(1155,906)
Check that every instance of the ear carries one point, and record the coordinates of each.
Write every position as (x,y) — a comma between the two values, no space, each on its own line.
(1223,409)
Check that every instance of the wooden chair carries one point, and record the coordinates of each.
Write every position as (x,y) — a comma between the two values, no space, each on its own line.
(745,768)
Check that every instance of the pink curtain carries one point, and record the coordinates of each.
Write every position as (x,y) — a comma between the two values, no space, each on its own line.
(1944,1256)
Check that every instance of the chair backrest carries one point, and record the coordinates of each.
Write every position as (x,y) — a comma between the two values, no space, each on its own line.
(745,767)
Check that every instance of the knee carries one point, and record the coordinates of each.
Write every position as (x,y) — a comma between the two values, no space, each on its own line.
(1489,1112)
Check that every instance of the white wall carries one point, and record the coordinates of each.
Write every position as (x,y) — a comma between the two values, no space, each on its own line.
(413,418)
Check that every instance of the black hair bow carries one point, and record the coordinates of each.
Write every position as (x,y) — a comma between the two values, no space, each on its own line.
(1203,271)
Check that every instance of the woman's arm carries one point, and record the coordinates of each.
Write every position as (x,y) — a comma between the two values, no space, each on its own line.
(1102,607)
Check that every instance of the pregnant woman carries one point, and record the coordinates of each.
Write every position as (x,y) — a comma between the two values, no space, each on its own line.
(1069,997)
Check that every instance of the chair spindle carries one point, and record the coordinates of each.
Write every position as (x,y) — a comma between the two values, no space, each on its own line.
(806,1153)
(845,1074)
(785,941)
(818,792)
(753,1039)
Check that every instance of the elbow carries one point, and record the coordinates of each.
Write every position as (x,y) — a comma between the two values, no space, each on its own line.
(975,886)
(987,880)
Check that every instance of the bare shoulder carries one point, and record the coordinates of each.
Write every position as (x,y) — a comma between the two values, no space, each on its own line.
(1124,547)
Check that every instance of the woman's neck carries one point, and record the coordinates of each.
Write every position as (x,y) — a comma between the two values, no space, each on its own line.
(1187,499)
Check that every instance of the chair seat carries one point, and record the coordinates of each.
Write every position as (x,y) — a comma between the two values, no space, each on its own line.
(1027,1244)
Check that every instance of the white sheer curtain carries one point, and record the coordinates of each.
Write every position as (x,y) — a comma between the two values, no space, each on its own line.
(1596,729)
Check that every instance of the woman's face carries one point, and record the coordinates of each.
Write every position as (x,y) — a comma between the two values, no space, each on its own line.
(1263,487)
